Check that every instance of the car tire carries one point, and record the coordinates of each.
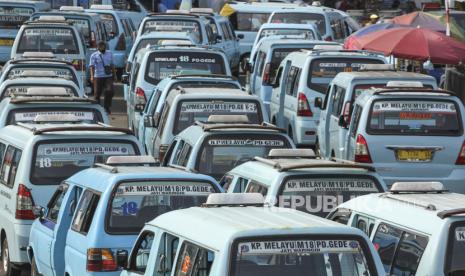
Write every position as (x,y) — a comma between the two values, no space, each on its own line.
(6,268)
(34,270)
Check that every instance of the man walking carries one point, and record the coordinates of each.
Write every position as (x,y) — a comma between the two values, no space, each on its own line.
(102,74)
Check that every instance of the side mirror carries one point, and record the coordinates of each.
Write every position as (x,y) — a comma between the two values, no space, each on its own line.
(122,258)
(38,211)
(125,79)
(319,102)
(240,36)
(148,121)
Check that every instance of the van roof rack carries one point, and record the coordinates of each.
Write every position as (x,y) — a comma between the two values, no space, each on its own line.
(234,199)
(213,76)
(202,11)
(46,91)
(62,118)
(366,52)
(32,60)
(131,160)
(38,55)
(409,84)
(101,7)
(449,213)
(380,91)
(417,187)
(291,153)
(44,99)
(72,8)
(263,126)
(38,74)
(38,131)
(227,119)
(174,42)
(286,166)
(173,13)
(377,67)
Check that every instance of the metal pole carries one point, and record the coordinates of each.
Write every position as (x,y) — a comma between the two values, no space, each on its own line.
(447,6)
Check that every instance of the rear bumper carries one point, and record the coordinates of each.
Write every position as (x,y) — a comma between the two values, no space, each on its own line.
(305,132)
(453,182)
(18,243)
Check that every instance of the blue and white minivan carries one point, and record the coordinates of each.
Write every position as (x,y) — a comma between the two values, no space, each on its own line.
(342,93)
(240,236)
(12,15)
(35,159)
(409,134)
(97,213)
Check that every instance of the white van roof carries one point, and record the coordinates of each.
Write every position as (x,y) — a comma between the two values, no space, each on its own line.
(347,77)
(222,224)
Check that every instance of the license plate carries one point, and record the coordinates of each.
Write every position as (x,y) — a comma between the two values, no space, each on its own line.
(6,42)
(414,155)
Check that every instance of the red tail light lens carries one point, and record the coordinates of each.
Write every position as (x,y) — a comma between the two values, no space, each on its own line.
(100,259)
(461,157)
(121,45)
(93,40)
(140,100)
(362,155)
(24,203)
(303,108)
(266,74)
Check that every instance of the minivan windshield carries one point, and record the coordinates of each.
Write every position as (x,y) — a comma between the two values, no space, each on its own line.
(320,194)
(191,27)
(301,255)
(301,18)
(163,64)
(414,117)
(137,202)
(55,161)
(220,153)
(12,18)
(456,250)
(199,110)
(323,70)
(48,39)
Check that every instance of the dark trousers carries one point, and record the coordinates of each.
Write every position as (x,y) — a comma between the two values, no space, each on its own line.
(104,86)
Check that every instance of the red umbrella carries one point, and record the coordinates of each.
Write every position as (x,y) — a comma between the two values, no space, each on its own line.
(420,19)
(416,44)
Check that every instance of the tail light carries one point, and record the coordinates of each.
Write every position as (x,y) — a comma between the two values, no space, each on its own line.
(362,155)
(461,157)
(100,259)
(121,45)
(93,40)
(162,152)
(266,74)
(24,203)
(79,64)
(141,100)
(329,38)
(303,108)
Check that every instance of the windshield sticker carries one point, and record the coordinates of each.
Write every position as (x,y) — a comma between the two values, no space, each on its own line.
(211,107)
(246,142)
(298,246)
(85,149)
(173,189)
(58,72)
(47,32)
(414,106)
(187,59)
(330,185)
(29,116)
(460,235)
(13,18)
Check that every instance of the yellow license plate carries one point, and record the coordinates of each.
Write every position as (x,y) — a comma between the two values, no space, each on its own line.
(414,155)
(6,42)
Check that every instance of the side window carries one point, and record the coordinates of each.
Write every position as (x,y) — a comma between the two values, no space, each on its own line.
(338,100)
(295,88)
(10,166)
(55,202)
(2,153)
(290,80)
(400,251)
(134,77)
(226,181)
(225,30)
(167,253)
(182,154)
(163,119)
(193,260)
(365,224)
(356,120)
(141,252)
(260,63)
(255,187)
(177,153)
(242,184)
(169,153)
(85,212)
(341,215)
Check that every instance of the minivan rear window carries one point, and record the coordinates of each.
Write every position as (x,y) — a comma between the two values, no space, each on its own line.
(83,26)
(301,255)
(278,55)
(135,203)
(27,115)
(190,111)
(456,250)
(323,70)
(55,161)
(320,194)
(110,23)
(248,21)
(174,25)
(414,117)
(164,64)
(220,153)
(301,18)
(13,17)
(48,39)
